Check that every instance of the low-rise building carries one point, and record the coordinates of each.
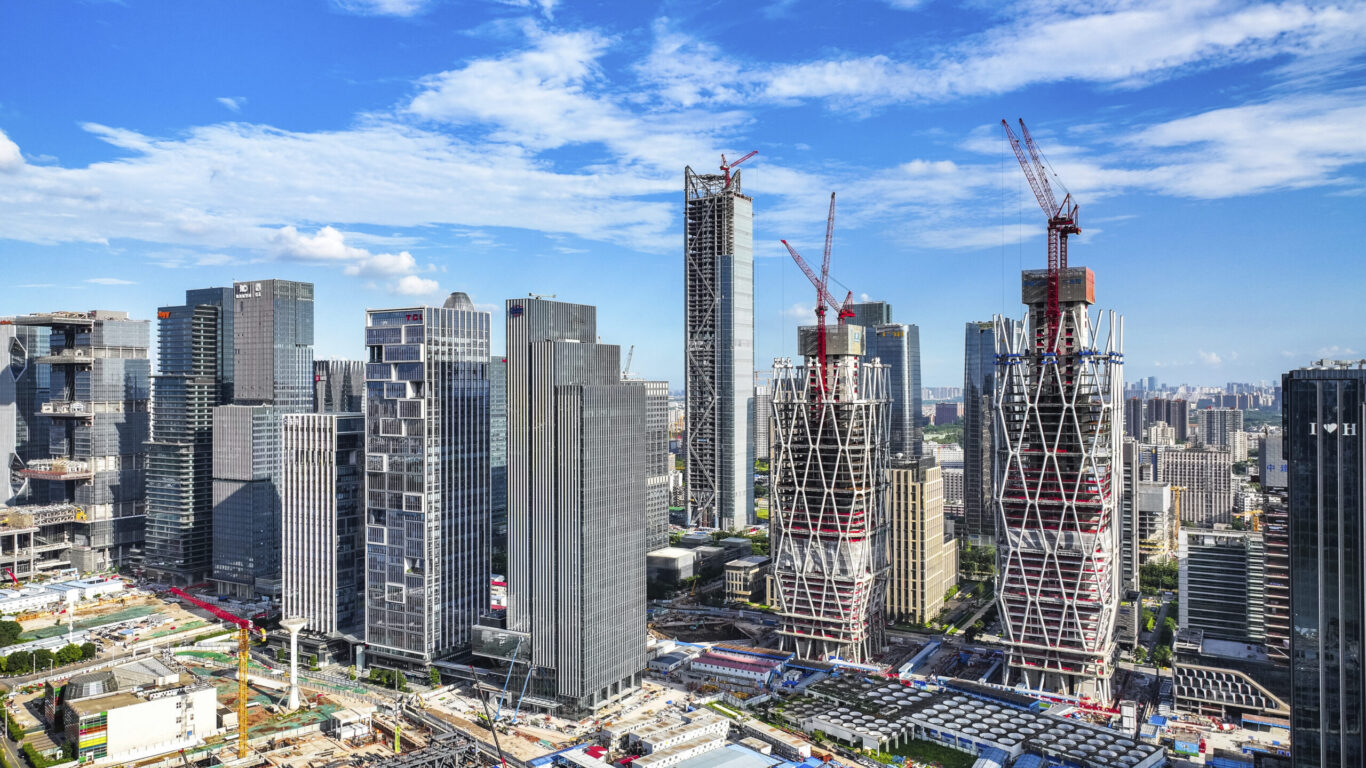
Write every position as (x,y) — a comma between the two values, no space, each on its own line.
(135,710)
(670,565)
(745,582)
(733,667)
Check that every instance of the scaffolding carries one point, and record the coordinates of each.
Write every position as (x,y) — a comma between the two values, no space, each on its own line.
(829,517)
(1057,481)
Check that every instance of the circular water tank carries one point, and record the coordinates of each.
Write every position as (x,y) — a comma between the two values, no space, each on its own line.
(1108,754)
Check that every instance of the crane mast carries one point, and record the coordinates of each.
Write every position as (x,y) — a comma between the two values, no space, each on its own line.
(823,297)
(1062,220)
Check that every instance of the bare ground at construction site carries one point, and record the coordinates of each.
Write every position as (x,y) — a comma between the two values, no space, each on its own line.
(174,611)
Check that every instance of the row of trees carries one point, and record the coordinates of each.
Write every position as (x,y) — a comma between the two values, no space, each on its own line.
(24,662)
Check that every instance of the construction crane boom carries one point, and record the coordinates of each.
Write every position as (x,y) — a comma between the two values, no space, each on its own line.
(1062,221)
(244,628)
(725,167)
(823,297)
(626,369)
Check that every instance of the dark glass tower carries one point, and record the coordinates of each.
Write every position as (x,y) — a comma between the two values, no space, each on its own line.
(979,376)
(897,345)
(1324,418)
(191,382)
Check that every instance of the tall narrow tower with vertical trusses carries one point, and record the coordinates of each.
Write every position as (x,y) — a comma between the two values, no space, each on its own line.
(718,286)
(1058,388)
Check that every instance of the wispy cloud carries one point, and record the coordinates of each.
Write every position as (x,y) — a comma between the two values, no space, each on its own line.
(109,281)
(233,103)
(383,7)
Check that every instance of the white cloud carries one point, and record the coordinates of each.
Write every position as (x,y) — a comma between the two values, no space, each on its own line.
(554,94)
(11,159)
(383,7)
(1210,358)
(233,103)
(1335,351)
(905,5)
(412,285)
(109,281)
(1129,44)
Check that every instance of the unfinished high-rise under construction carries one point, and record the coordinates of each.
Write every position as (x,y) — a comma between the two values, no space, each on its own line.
(1058,384)
(828,518)
(718,285)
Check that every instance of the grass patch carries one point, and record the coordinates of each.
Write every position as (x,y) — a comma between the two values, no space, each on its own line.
(929,752)
(727,711)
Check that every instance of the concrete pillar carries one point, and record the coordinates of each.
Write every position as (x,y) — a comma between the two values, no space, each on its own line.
(293,625)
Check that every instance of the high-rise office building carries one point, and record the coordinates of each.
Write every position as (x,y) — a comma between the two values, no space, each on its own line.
(1058,436)
(1223,584)
(897,346)
(95,503)
(193,379)
(658,462)
(576,501)
(1174,413)
(321,491)
(246,500)
(272,374)
(763,420)
(1324,418)
(1276,531)
(1219,426)
(978,527)
(1152,383)
(428,490)
(1157,523)
(828,518)
(1130,603)
(718,321)
(1134,409)
(273,344)
(498,451)
(338,386)
(1205,478)
(24,430)
(922,563)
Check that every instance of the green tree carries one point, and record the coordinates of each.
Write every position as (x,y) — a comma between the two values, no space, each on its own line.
(1157,576)
(1169,628)
(760,492)
(12,728)
(434,675)
(9,632)
(69,653)
(1162,655)
(313,661)
(88,651)
(19,663)
(1140,655)
(42,659)
(280,654)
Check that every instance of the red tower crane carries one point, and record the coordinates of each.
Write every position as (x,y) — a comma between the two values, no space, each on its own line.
(244,628)
(1062,221)
(823,297)
(725,167)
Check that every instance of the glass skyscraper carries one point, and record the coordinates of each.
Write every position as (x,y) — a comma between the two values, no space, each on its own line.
(576,508)
(272,374)
(979,377)
(428,494)
(897,345)
(718,350)
(194,377)
(1324,418)
(23,429)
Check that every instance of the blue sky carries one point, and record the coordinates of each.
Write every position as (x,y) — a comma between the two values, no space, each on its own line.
(392,151)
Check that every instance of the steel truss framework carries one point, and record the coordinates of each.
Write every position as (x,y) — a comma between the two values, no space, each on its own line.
(829,521)
(709,242)
(1057,480)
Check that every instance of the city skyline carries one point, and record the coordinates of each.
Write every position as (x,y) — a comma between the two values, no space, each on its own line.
(305,166)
